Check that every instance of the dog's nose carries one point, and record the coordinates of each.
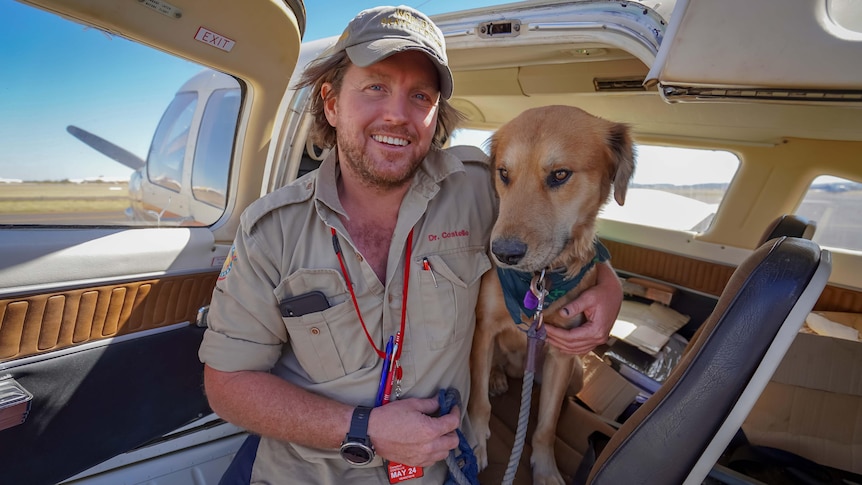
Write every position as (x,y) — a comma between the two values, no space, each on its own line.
(509,251)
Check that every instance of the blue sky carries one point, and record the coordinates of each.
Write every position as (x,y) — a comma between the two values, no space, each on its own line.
(49,83)
(329,17)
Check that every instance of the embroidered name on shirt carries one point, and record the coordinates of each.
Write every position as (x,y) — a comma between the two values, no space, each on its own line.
(448,235)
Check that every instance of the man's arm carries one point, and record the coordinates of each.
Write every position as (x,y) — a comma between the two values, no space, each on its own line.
(265,404)
(600,305)
(268,405)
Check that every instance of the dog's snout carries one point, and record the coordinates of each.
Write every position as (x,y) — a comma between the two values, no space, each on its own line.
(509,251)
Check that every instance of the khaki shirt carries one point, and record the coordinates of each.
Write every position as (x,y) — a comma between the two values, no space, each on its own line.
(284,248)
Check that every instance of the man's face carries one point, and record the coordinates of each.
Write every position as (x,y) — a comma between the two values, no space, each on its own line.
(385,117)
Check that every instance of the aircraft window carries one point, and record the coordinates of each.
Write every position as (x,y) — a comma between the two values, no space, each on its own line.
(165,161)
(833,203)
(214,147)
(846,13)
(80,116)
(673,188)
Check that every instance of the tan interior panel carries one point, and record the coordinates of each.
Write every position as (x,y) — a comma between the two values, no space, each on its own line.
(690,273)
(38,323)
(492,82)
(837,299)
(576,77)
(707,277)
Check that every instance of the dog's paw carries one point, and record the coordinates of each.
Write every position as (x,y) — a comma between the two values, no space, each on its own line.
(481,453)
(481,433)
(497,382)
(545,471)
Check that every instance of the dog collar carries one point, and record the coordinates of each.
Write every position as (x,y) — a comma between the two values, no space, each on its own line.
(517,283)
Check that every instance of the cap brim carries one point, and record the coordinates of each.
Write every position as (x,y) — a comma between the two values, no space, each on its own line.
(368,53)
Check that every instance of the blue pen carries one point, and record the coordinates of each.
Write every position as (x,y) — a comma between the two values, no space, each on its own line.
(385,373)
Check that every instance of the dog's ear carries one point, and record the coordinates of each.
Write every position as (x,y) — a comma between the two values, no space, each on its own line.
(490,146)
(623,157)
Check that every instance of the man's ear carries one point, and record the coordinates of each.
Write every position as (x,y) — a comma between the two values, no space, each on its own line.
(326,92)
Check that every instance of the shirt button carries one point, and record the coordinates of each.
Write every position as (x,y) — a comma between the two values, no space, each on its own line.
(315,331)
(359,257)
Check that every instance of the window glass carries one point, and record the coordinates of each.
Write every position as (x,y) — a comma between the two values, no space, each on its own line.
(478,138)
(833,204)
(165,161)
(673,188)
(98,130)
(846,13)
(214,147)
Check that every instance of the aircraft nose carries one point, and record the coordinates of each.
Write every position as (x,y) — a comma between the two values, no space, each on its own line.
(509,251)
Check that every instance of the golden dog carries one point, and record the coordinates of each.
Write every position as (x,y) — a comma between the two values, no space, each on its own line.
(553,168)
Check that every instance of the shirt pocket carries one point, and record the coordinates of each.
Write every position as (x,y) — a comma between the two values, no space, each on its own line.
(321,342)
(449,289)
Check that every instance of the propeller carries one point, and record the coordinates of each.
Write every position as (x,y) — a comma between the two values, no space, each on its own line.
(107,148)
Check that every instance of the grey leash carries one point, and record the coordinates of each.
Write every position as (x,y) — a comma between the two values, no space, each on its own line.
(455,471)
(535,341)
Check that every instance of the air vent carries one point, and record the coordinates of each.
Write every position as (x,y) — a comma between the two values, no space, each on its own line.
(619,84)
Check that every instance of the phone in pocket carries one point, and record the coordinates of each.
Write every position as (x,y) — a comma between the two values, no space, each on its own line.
(299,305)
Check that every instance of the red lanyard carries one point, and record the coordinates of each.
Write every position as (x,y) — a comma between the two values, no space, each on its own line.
(382,354)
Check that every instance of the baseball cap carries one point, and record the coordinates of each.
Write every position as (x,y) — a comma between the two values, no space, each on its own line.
(377,33)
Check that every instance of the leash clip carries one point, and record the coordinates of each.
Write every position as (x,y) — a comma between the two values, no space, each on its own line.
(539,292)
(536,334)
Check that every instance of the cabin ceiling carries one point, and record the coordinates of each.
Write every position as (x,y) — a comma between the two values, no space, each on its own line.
(494,85)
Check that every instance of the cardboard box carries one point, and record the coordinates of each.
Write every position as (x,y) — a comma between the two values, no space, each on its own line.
(574,426)
(605,391)
(813,404)
(647,327)
(651,290)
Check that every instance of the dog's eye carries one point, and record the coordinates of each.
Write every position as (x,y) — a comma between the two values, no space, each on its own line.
(504,175)
(558,177)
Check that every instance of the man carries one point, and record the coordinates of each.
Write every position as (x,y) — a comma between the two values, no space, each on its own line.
(393,231)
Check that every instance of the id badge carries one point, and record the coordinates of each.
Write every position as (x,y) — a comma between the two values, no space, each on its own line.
(401,473)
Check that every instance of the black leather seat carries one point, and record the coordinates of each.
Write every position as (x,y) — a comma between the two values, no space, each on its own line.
(679,433)
(790,225)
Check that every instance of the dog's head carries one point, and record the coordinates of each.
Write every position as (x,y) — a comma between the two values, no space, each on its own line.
(553,168)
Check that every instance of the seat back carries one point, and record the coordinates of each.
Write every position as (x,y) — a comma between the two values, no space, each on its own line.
(678,434)
(790,225)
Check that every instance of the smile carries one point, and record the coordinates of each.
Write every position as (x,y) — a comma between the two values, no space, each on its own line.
(391,140)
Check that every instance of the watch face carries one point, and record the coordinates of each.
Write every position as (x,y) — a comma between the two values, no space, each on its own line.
(357,454)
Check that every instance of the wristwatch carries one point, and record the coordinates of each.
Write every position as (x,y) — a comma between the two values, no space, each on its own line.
(357,448)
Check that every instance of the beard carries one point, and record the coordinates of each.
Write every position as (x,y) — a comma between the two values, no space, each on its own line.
(379,174)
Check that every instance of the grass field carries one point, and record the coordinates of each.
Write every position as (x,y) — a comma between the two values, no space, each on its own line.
(63,198)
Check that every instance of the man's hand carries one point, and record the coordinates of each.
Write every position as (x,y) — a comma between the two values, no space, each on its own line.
(600,306)
(403,432)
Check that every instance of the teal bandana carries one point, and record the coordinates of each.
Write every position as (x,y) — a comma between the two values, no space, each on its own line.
(516,284)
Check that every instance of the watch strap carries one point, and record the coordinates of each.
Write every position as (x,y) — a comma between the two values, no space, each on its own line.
(359,425)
